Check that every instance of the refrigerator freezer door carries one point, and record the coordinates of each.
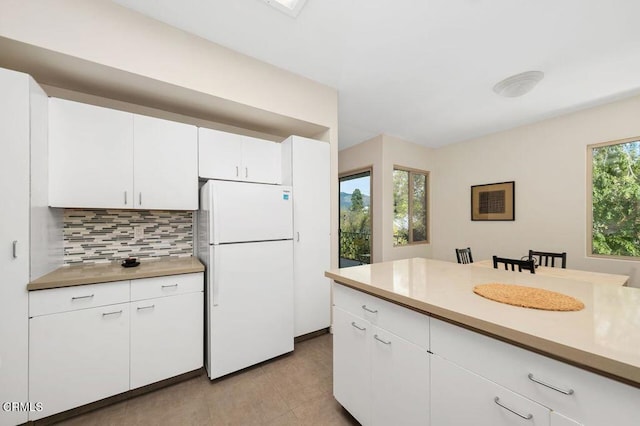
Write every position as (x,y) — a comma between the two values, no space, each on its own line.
(249,304)
(242,212)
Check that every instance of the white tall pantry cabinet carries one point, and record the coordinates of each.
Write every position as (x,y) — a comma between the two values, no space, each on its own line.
(305,166)
(23,124)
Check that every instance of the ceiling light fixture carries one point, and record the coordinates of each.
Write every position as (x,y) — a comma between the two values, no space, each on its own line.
(290,7)
(519,84)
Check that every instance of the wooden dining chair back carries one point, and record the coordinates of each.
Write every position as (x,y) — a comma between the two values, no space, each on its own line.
(464,255)
(543,258)
(515,263)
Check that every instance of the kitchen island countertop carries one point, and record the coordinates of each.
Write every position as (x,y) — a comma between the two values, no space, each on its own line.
(604,337)
(72,275)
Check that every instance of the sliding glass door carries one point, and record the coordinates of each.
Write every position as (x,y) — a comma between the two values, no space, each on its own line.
(355,218)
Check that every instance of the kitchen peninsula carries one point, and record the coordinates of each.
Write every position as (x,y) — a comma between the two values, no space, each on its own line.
(483,354)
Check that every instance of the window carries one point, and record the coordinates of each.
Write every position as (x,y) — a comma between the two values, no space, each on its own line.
(410,206)
(615,198)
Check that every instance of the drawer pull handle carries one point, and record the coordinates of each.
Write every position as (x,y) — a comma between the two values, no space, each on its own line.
(550,386)
(353,323)
(146,307)
(15,249)
(82,297)
(527,417)
(375,336)
(169,285)
(373,311)
(112,313)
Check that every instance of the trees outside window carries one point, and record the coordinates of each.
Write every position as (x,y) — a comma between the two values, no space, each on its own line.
(410,194)
(615,198)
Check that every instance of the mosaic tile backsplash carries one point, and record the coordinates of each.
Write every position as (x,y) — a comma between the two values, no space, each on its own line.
(102,236)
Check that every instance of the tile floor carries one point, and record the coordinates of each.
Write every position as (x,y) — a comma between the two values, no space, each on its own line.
(295,389)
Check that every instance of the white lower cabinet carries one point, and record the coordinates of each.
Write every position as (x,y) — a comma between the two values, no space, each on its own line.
(166,337)
(91,342)
(379,376)
(78,357)
(460,397)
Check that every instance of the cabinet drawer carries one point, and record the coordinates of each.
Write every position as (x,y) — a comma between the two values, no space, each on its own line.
(404,322)
(43,302)
(148,288)
(579,394)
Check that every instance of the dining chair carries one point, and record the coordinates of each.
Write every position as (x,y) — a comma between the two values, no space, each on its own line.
(521,264)
(543,258)
(464,255)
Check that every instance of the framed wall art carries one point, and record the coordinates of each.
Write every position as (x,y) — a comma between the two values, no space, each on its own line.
(493,201)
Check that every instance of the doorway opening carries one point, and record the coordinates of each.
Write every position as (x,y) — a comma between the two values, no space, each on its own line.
(355,218)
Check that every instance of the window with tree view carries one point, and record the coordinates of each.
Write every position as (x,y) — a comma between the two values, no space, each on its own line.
(615,185)
(409,206)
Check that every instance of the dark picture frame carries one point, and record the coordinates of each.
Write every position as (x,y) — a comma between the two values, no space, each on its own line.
(493,201)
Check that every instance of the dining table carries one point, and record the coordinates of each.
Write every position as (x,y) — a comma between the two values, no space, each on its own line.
(570,274)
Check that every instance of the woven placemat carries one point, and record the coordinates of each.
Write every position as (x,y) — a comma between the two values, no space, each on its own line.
(528,297)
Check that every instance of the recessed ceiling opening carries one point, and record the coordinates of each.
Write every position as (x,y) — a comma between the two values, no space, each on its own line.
(290,7)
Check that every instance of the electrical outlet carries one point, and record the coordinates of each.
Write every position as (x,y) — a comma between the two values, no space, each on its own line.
(138,232)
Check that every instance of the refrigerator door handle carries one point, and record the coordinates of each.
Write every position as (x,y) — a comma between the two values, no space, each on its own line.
(215,280)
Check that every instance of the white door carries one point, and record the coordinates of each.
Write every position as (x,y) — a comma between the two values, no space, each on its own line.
(250,296)
(166,337)
(78,357)
(312,228)
(261,161)
(14,241)
(248,211)
(219,154)
(400,381)
(460,397)
(165,164)
(352,364)
(90,156)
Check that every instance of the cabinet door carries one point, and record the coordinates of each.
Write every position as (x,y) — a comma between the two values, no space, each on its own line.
(460,397)
(352,364)
(261,161)
(165,164)
(400,381)
(78,357)
(14,241)
(219,154)
(560,420)
(311,220)
(166,337)
(90,156)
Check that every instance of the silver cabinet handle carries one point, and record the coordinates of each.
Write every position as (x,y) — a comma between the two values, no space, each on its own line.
(353,323)
(375,336)
(112,313)
(237,171)
(373,311)
(526,417)
(298,236)
(169,285)
(246,172)
(125,197)
(82,297)
(140,308)
(140,198)
(15,249)
(550,386)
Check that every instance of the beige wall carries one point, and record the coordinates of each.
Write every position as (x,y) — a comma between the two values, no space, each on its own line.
(383,153)
(547,160)
(125,43)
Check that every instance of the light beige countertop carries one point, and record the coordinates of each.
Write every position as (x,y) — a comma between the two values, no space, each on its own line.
(570,274)
(67,276)
(604,337)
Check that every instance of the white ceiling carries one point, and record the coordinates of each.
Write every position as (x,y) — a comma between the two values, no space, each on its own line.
(423,70)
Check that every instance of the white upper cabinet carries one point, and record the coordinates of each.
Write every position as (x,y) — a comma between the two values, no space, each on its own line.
(103,158)
(90,156)
(165,174)
(229,156)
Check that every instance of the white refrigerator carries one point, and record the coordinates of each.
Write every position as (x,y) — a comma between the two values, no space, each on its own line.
(245,240)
